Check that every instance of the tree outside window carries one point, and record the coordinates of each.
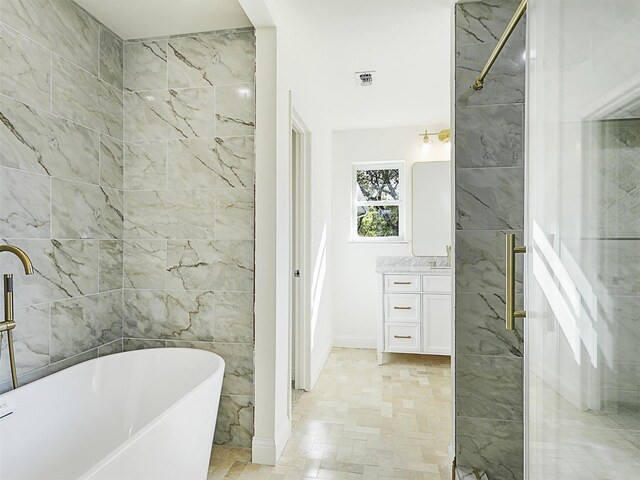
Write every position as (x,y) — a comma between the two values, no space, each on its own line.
(378,201)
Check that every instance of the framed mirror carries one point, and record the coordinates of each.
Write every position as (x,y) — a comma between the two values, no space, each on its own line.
(432,219)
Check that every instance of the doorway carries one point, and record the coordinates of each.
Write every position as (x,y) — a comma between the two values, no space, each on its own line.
(299,230)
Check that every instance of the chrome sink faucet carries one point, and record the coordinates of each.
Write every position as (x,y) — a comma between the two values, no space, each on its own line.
(9,322)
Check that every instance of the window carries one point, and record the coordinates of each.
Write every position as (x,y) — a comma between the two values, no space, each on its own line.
(378,201)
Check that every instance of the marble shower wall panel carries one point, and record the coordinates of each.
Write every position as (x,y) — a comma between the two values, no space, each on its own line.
(189,119)
(61,180)
(489,132)
(618,287)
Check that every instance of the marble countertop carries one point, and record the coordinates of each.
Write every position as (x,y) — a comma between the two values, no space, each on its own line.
(413,265)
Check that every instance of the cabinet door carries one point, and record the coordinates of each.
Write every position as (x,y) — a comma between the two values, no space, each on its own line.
(436,324)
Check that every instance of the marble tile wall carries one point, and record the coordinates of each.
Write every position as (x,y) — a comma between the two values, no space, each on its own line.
(189,119)
(127,174)
(489,203)
(618,227)
(61,180)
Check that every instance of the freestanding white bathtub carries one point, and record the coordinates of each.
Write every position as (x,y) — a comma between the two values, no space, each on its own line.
(148,414)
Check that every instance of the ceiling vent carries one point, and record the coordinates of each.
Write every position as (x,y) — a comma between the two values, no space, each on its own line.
(365,79)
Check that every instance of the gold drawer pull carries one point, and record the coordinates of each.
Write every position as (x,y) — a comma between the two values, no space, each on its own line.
(511,251)
(402,283)
(402,336)
(402,308)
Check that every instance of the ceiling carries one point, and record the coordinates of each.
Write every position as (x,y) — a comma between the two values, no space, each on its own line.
(407,43)
(155,18)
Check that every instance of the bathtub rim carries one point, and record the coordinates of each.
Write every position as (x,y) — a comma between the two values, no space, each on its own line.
(97,359)
(161,416)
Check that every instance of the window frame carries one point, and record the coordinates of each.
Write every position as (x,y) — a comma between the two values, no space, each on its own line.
(355,203)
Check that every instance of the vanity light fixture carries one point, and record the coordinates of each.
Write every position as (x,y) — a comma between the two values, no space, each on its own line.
(443,135)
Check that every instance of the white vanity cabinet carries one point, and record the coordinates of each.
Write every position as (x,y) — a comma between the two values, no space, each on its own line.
(416,314)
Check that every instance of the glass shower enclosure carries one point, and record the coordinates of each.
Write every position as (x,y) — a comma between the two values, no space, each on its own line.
(582,278)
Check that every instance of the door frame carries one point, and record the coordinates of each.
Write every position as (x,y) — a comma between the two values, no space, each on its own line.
(300,298)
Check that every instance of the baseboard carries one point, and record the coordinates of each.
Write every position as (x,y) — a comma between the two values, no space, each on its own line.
(267,451)
(355,342)
(283,433)
(324,356)
(263,451)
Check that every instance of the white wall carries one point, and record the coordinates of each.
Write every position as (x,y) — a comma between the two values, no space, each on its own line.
(315,46)
(295,76)
(356,287)
(298,76)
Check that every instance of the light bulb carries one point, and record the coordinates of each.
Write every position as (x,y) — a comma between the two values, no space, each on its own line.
(426,148)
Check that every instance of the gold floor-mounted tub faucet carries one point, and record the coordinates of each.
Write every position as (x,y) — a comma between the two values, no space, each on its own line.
(9,322)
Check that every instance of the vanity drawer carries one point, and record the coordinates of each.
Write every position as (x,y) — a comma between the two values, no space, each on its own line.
(402,307)
(402,337)
(402,283)
(436,283)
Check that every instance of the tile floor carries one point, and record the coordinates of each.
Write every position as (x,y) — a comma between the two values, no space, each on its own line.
(362,421)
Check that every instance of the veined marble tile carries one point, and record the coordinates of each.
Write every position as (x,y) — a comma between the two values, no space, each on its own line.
(480,261)
(85,211)
(623,377)
(489,136)
(235,110)
(111,58)
(490,198)
(110,348)
(618,319)
(212,163)
(484,22)
(52,368)
(489,387)
(162,315)
(234,213)
(506,84)
(169,114)
(146,165)
(495,446)
(463,473)
(238,359)
(62,269)
(59,25)
(235,421)
(85,99)
(169,214)
(111,162)
(145,65)
(110,264)
(26,68)
(130,344)
(84,323)
(619,273)
(234,317)
(30,340)
(480,326)
(26,133)
(145,264)
(25,204)
(210,59)
(210,265)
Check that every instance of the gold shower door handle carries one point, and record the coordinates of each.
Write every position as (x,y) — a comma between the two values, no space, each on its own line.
(511,251)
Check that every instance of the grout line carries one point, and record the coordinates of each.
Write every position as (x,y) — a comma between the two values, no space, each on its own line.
(194,34)
(197,87)
(51,82)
